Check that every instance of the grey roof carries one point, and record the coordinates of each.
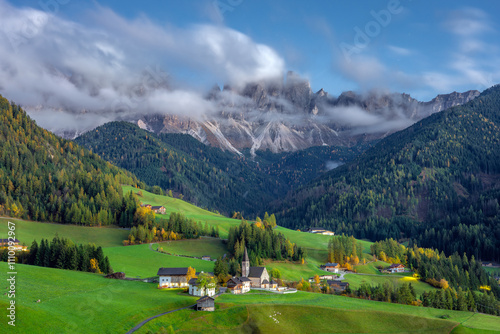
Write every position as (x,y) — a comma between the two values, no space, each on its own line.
(245,256)
(244,279)
(330,265)
(157,207)
(265,281)
(172,271)
(339,283)
(256,271)
(274,282)
(396,265)
(6,241)
(235,280)
(193,281)
(204,298)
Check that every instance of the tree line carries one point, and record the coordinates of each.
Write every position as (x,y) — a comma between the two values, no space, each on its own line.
(62,253)
(176,227)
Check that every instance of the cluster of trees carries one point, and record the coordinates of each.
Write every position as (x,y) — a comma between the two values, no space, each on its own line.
(46,178)
(436,268)
(261,243)
(460,300)
(389,250)
(268,221)
(62,253)
(433,182)
(344,250)
(175,228)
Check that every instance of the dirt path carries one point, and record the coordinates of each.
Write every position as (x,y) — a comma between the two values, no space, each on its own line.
(142,323)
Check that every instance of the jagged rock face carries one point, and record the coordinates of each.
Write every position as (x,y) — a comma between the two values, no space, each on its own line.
(288,116)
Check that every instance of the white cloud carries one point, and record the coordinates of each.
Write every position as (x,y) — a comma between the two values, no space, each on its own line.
(399,50)
(468,22)
(115,64)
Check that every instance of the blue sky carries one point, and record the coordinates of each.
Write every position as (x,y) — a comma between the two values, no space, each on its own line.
(423,48)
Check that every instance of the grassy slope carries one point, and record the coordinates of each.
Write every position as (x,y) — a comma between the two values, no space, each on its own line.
(294,319)
(27,231)
(189,210)
(75,302)
(300,314)
(194,247)
(141,261)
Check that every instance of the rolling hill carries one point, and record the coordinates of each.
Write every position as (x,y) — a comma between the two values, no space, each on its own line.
(436,182)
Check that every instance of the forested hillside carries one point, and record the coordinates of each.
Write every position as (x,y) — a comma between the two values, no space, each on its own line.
(437,182)
(46,178)
(207,176)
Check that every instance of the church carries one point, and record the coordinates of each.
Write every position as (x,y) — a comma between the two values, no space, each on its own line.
(258,275)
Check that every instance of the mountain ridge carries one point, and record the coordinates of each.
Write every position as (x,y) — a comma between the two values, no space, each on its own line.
(288,116)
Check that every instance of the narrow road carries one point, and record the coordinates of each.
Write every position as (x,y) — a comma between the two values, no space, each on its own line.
(142,323)
(159,315)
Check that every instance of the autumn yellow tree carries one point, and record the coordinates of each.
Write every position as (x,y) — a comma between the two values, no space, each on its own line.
(94,266)
(191,273)
(316,279)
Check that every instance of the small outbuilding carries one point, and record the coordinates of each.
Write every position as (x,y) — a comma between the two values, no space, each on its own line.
(205,303)
(396,268)
(331,267)
(159,209)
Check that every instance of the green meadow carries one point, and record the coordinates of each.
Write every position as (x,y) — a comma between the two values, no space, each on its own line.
(141,261)
(27,231)
(294,319)
(76,302)
(304,312)
(194,247)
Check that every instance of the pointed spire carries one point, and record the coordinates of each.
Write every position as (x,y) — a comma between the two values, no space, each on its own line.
(245,256)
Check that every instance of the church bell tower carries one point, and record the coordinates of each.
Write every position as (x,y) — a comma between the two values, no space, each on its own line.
(245,265)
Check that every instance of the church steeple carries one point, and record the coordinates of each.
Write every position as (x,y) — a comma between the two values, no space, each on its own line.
(245,265)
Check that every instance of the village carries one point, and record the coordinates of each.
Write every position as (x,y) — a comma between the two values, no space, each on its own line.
(204,285)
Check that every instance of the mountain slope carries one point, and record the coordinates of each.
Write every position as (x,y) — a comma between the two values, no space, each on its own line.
(207,176)
(44,177)
(437,182)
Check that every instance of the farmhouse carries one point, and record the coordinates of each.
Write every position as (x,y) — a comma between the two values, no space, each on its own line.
(239,285)
(196,290)
(331,267)
(159,209)
(319,230)
(338,285)
(396,268)
(257,275)
(146,206)
(206,258)
(205,303)
(172,277)
(15,244)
